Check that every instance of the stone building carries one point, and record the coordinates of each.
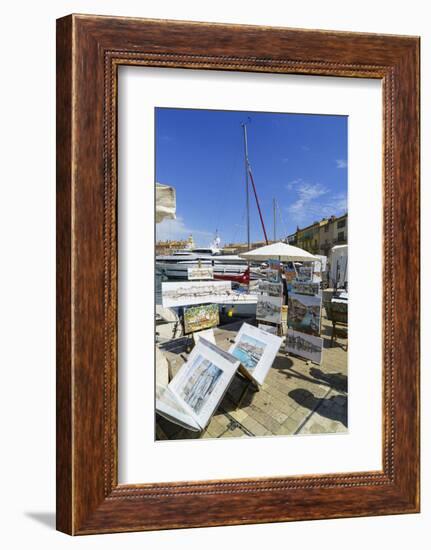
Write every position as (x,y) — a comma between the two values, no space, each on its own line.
(332,231)
(321,236)
(165,248)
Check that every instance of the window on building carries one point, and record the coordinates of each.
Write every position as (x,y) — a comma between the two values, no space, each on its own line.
(341,236)
(326,227)
(341,223)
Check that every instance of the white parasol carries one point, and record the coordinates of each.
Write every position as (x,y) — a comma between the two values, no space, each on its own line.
(278,251)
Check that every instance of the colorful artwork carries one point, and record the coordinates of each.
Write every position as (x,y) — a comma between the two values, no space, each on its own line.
(304,345)
(269,309)
(304,313)
(200,317)
(249,351)
(256,349)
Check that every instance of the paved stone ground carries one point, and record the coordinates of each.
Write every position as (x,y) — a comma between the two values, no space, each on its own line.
(298,397)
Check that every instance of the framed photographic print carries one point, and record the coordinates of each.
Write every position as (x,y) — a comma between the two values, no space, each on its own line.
(205,174)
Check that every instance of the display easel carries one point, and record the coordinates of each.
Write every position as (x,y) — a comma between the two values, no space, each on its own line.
(250,383)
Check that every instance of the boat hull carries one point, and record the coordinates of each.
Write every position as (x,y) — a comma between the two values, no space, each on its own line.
(180,270)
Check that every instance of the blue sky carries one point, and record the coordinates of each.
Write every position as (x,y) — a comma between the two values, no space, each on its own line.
(300,160)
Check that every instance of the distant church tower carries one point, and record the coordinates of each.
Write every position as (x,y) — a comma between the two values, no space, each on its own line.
(190,242)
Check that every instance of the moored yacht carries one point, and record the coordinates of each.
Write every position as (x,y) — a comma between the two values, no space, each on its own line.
(175,266)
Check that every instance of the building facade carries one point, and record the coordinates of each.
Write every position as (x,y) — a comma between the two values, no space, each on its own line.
(333,232)
(165,248)
(308,238)
(291,239)
(321,236)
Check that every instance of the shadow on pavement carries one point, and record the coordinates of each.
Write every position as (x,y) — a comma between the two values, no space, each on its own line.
(337,380)
(334,408)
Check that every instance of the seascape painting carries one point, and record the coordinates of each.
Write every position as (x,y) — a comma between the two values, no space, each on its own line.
(249,351)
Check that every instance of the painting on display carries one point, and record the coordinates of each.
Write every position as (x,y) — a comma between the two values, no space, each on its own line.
(268,328)
(269,308)
(273,275)
(200,273)
(305,287)
(304,345)
(195,392)
(200,317)
(256,349)
(270,289)
(187,293)
(305,273)
(304,313)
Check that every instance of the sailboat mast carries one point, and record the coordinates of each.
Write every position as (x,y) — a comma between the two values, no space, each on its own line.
(247,195)
(275,220)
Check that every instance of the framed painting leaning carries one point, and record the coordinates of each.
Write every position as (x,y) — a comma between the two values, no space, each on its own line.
(215,224)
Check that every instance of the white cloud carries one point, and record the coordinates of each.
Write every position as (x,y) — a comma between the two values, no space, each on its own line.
(177,230)
(291,184)
(315,202)
(334,205)
(341,163)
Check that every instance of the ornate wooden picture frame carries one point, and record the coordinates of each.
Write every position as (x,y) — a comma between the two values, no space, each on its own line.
(89,51)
